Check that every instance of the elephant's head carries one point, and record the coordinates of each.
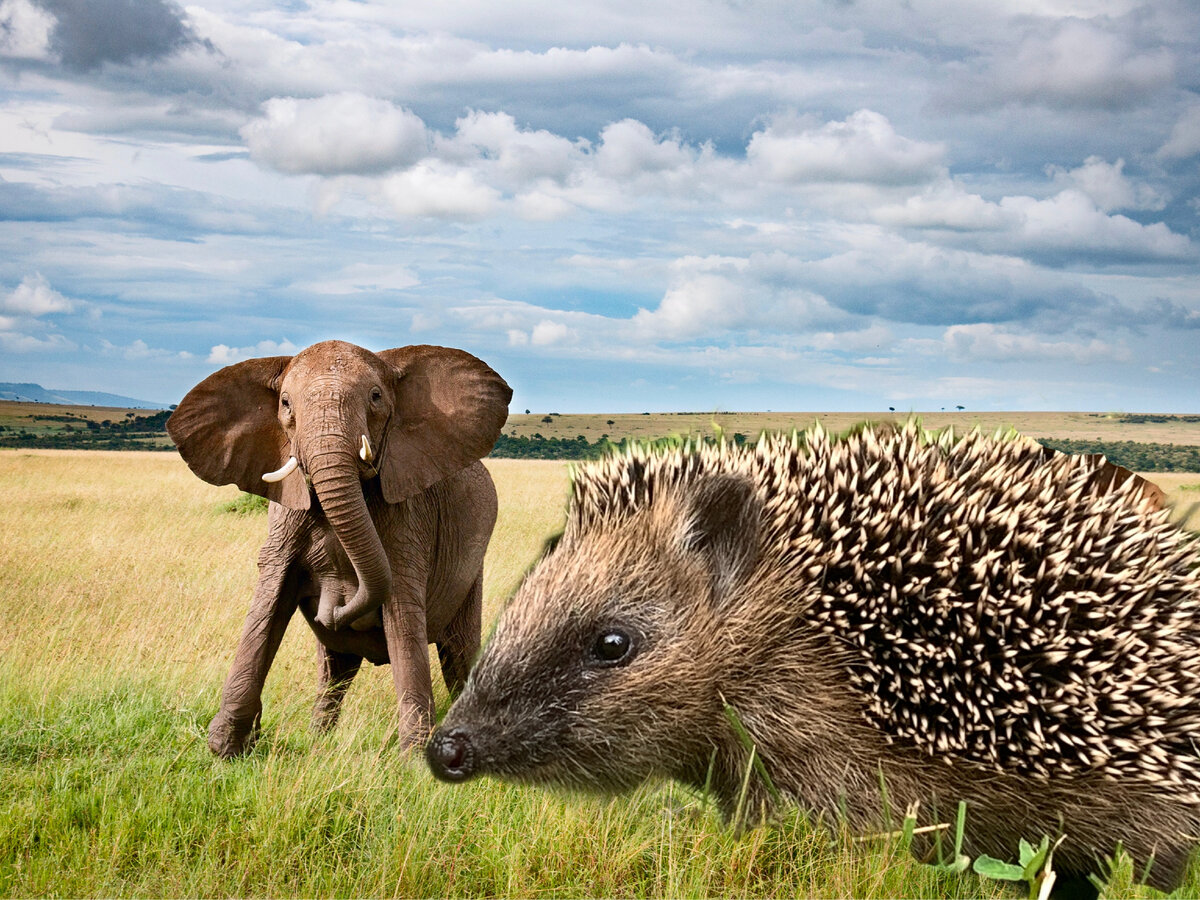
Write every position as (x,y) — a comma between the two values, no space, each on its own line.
(333,416)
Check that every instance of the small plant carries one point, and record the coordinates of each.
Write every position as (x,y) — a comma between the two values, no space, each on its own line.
(245,505)
(1035,866)
(958,862)
(1034,869)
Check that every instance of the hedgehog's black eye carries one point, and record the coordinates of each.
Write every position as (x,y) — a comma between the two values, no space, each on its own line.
(612,647)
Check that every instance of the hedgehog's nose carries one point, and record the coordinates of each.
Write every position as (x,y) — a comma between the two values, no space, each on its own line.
(450,756)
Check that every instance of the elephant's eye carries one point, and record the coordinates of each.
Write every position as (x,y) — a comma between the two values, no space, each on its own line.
(376,395)
(285,401)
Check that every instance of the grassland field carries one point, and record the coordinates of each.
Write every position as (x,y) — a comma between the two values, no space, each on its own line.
(126,582)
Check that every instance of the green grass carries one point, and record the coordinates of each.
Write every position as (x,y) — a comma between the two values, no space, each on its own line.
(245,504)
(127,584)
(111,791)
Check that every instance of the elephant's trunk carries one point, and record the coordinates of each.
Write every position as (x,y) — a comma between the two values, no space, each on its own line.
(335,478)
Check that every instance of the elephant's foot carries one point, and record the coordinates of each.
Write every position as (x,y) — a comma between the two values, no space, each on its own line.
(325,714)
(228,738)
(416,725)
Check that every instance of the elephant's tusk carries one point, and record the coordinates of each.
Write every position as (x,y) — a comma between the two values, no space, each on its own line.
(365,453)
(283,472)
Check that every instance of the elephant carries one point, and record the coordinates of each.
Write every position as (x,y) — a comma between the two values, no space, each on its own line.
(380,512)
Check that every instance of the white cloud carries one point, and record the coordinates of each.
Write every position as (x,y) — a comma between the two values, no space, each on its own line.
(1071,221)
(422,321)
(927,283)
(13,342)
(521,156)
(1184,140)
(713,296)
(944,204)
(140,350)
(1108,186)
(872,338)
(542,206)
(363,277)
(1075,220)
(699,305)
(347,133)
(629,148)
(862,148)
(223,355)
(436,190)
(985,341)
(546,333)
(21,328)
(1069,63)
(25,30)
(34,297)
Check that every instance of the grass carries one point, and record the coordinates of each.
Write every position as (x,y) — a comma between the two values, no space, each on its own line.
(113,793)
(126,583)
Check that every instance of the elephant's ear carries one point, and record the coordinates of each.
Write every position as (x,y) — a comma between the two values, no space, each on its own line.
(450,407)
(227,430)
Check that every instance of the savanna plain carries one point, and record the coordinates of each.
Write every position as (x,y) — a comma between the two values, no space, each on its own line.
(125,581)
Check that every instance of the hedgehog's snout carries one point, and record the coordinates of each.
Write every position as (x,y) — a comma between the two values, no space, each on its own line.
(450,754)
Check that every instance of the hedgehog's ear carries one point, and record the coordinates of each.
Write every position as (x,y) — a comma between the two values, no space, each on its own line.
(722,521)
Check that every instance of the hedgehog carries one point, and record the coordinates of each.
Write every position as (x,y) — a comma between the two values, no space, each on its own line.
(890,617)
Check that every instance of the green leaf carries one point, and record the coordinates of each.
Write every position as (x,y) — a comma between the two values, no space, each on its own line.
(960,825)
(989,867)
(906,829)
(961,863)
(1026,852)
(1034,865)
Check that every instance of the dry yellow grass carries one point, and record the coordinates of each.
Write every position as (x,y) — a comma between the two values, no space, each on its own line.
(124,562)
(1183,493)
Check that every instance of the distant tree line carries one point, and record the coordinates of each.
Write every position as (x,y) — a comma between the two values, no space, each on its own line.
(1143,418)
(77,433)
(149,433)
(1135,455)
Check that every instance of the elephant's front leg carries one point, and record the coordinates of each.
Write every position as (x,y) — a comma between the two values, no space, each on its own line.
(234,729)
(408,650)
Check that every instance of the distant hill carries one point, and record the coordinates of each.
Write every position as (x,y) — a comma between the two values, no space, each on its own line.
(35,393)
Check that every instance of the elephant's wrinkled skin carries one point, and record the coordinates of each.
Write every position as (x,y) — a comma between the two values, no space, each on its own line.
(378,528)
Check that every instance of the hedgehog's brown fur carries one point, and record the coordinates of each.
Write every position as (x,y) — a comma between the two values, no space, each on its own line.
(975,619)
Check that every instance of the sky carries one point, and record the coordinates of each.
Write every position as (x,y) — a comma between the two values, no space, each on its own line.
(621,206)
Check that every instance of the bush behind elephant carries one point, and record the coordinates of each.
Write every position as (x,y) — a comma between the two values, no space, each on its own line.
(379,518)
